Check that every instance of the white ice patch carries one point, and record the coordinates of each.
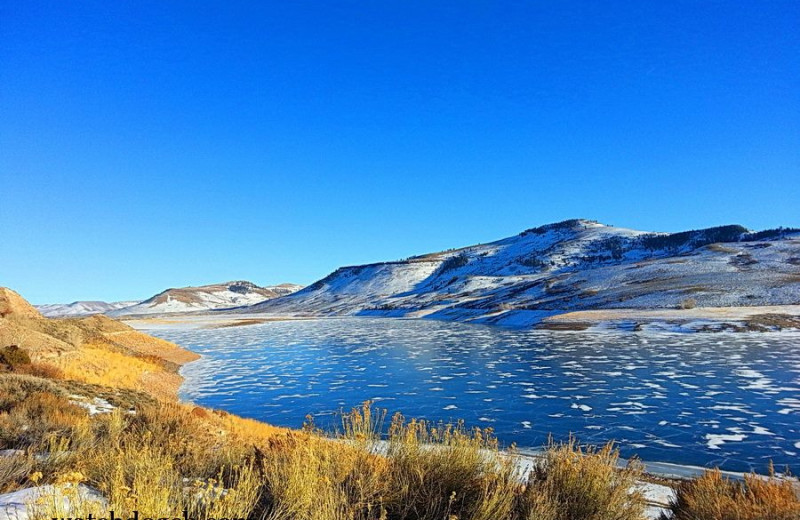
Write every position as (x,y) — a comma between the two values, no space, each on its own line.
(714,441)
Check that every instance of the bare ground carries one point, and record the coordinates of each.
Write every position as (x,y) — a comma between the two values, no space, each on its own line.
(773,317)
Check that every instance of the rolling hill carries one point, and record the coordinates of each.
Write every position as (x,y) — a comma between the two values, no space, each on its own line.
(80,308)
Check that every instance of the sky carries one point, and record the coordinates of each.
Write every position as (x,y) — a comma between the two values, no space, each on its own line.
(152,144)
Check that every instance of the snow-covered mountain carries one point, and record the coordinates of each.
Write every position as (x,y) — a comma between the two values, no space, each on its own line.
(571,265)
(81,308)
(207,297)
(284,288)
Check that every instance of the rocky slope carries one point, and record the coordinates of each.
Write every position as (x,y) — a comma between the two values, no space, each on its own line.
(95,349)
(567,266)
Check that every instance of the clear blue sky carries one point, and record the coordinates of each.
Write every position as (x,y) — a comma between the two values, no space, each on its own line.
(146,145)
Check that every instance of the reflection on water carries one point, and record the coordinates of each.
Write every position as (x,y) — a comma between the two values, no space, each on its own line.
(724,399)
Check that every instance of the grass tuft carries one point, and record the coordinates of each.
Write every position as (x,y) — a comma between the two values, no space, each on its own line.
(714,497)
(574,483)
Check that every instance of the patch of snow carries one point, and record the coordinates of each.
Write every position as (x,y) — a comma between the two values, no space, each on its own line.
(96,406)
(16,505)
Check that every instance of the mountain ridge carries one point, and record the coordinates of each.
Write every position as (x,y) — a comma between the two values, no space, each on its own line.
(566,266)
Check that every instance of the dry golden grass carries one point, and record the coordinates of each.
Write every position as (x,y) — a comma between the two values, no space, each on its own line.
(584,484)
(40,346)
(142,474)
(39,415)
(44,370)
(97,365)
(714,497)
(139,461)
(51,340)
(145,475)
(444,469)
(248,430)
(314,478)
(145,345)
(14,469)
(441,471)
(168,457)
(66,500)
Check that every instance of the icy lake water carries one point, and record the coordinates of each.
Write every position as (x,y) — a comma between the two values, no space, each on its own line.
(724,399)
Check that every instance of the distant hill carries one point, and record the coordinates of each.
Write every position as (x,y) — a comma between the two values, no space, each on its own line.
(81,308)
(561,267)
(206,297)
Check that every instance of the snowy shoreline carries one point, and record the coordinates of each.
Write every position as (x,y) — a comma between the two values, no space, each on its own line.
(699,320)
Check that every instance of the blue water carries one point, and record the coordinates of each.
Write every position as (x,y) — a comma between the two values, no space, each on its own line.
(726,399)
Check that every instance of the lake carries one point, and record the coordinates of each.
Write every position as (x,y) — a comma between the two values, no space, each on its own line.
(725,399)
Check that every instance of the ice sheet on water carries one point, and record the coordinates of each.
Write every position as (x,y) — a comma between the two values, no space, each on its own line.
(653,390)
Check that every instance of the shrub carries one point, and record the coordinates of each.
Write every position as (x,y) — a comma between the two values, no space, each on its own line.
(168,457)
(15,388)
(141,475)
(14,470)
(770,234)
(454,262)
(43,370)
(693,239)
(534,261)
(315,478)
(444,470)
(14,356)
(575,223)
(421,472)
(197,444)
(440,471)
(66,498)
(574,483)
(39,416)
(713,497)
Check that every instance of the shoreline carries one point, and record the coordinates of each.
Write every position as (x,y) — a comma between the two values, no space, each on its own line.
(762,319)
